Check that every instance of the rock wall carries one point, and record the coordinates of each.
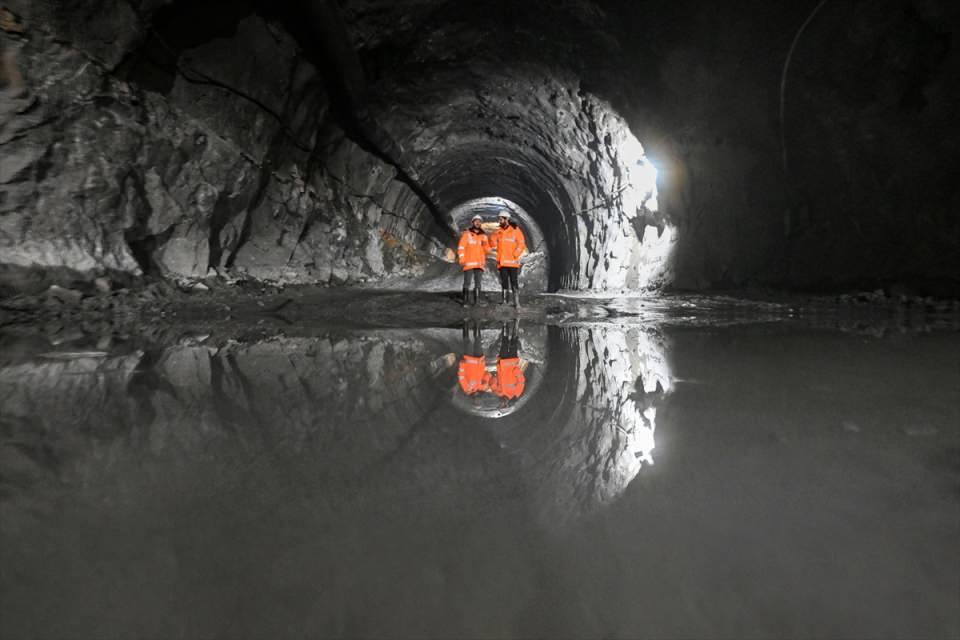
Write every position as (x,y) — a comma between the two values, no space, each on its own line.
(176,137)
(532,135)
(127,150)
(865,201)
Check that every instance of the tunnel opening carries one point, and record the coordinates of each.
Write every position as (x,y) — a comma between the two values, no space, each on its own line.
(536,264)
(470,174)
(536,137)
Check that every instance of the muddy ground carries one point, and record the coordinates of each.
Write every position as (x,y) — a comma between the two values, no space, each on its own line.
(219,311)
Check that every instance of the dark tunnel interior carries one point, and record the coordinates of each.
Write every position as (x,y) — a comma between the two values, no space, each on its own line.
(656,146)
(572,319)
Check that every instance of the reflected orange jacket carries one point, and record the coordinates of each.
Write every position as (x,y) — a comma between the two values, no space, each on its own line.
(510,245)
(509,381)
(472,249)
(472,375)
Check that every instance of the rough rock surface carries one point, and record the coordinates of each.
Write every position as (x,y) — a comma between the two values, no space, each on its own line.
(102,172)
(866,200)
(170,138)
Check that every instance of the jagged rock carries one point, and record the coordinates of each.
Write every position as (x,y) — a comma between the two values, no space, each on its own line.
(130,144)
(204,175)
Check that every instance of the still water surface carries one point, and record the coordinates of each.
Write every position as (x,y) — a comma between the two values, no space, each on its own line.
(598,481)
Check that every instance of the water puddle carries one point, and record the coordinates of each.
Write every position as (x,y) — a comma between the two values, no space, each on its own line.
(486,480)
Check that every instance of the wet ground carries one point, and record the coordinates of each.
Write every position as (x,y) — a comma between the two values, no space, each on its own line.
(312,466)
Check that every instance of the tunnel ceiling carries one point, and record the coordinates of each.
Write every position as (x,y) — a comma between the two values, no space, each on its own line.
(314,140)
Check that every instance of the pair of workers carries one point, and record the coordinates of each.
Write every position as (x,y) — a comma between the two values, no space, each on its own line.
(507,380)
(509,244)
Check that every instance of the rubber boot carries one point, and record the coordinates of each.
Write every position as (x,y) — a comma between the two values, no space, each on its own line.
(516,299)
(466,297)
(503,296)
(476,296)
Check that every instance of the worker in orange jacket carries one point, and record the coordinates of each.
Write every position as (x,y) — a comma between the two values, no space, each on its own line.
(472,373)
(509,381)
(510,245)
(472,255)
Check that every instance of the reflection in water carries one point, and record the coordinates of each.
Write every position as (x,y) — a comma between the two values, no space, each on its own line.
(602,389)
(621,396)
(508,381)
(493,377)
(596,426)
(346,486)
(472,375)
(582,427)
(210,492)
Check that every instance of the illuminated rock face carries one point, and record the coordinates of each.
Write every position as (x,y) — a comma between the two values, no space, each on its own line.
(180,161)
(173,139)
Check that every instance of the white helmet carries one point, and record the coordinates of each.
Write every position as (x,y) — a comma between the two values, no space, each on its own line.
(477,217)
(504,214)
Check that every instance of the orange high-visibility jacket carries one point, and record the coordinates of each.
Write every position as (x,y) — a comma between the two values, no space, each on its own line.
(472,375)
(509,381)
(510,245)
(472,249)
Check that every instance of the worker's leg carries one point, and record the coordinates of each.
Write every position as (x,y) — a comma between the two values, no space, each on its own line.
(504,284)
(515,285)
(477,280)
(515,336)
(466,287)
(514,276)
(504,340)
(508,340)
(477,340)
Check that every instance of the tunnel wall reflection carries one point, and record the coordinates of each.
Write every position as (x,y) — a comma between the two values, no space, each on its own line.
(193,470)
(584,428)
(595,429)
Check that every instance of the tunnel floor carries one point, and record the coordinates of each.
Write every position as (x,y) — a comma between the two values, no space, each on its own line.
(686,466)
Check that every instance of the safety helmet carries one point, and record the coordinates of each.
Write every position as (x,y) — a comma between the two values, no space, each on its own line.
(504,214)
(477,217)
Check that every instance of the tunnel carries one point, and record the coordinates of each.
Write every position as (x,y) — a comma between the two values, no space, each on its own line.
(654,147)
(263,373)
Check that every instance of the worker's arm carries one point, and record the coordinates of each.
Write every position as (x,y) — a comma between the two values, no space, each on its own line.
(462,248)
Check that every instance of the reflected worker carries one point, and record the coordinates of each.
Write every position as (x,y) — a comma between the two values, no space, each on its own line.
(509,381)
(510,246)
(472,373)
(472,255)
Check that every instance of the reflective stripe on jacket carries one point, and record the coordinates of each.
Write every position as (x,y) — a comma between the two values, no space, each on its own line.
(472,249)
(472,374)
(510,245)
(509,381)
